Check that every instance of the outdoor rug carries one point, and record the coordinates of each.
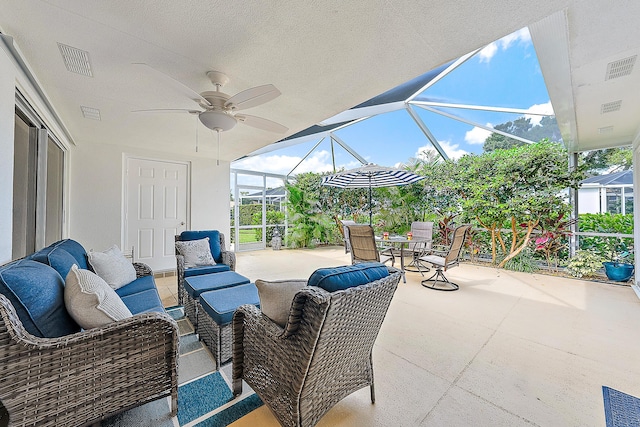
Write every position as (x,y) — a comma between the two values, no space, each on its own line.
(620,409)
(205,398)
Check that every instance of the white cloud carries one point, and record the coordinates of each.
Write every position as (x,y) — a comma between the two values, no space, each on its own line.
(522,36)
(488,51)
(545,108)
(477,135)
(453,150)
(318,161)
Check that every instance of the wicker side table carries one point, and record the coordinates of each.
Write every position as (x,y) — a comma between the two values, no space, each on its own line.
(215,313)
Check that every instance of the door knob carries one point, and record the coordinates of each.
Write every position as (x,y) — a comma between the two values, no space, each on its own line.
(182,223)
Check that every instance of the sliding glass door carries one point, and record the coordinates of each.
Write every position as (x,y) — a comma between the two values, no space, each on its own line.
(38,177)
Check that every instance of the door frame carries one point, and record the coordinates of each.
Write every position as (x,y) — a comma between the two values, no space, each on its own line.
(125,195)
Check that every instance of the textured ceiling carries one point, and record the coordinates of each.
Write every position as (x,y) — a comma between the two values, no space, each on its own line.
(325,57)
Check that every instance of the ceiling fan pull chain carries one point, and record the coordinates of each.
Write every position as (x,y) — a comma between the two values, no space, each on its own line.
(196,134)
(218,156)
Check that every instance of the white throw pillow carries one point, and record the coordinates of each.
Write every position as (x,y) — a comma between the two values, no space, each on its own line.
(112,266)
(90,300)
(195,252)
(276,298)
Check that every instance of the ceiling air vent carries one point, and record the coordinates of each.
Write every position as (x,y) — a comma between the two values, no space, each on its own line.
(606,129)
(620,68)
(76,60)
(610,107)
(90,113)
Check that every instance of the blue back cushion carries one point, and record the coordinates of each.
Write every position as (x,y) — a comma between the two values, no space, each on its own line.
(76,250)
(338,278)
(56,257)
(214,241)
(36,291)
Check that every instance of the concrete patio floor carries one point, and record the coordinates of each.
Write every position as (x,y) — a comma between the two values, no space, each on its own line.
(507,349)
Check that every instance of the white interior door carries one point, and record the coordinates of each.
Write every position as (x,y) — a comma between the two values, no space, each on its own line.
(156,210)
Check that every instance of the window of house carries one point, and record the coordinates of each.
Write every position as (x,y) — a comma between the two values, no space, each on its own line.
(628,200)
(614,200)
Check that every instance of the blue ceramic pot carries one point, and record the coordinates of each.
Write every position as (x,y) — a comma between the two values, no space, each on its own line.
(618,271)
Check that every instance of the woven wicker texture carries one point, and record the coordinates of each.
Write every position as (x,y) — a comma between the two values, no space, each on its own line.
(189,304)
(217,339)
(142,269)
(228,258)
(322,355)
(88,376)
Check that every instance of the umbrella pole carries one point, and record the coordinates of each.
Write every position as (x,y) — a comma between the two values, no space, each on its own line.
(370,207)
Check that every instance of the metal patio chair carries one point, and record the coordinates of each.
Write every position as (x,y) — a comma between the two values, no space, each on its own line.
(364,247)
(446,260)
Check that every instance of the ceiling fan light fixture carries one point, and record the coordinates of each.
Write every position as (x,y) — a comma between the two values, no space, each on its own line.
(217,120)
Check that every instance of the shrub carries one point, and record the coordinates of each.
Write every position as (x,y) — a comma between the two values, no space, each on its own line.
(524,262)
(606,223)
(584,264)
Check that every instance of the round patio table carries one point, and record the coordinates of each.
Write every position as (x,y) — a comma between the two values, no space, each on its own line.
(402,241)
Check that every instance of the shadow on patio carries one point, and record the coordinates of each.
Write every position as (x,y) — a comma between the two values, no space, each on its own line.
(507,349)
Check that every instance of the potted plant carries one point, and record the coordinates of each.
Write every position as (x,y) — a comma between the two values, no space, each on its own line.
(617,269)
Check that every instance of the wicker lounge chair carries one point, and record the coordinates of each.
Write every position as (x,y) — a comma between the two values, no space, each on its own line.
(226,260)
(302,370)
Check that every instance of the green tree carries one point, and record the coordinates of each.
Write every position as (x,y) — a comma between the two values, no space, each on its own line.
(610,159)
(522,127)
(516,188)
(497,141)
(308,223)
(441,199)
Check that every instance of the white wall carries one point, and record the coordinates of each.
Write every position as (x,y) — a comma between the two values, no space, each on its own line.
(7,112)
(95,179)
(96,193)
(588,200)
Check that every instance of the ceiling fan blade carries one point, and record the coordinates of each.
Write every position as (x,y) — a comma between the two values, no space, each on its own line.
(261,123)
(167,110)
(252,97)
(183,88)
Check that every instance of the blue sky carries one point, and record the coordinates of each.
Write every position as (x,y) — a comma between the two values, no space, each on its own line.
(505,73)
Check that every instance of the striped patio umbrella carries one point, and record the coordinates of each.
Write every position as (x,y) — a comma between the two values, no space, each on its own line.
(371,176)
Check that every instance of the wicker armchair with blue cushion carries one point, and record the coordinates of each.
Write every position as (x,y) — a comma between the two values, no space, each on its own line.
(303,361)
(56,370)
(221,259)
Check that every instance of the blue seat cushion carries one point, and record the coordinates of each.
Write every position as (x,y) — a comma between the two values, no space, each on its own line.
(214,241)
(76,250)
(222,303)
(144,301)
(205,269)
(338,278)
(36,291)
(196,285)
(56,257)
(141,284)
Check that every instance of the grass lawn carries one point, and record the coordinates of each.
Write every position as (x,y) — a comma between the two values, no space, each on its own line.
(248,236)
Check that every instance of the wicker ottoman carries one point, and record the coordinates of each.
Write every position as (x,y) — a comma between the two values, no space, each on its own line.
(196,285)
(215,313)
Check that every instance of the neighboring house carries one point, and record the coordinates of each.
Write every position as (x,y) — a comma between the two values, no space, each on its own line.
(612,193)
(272,196)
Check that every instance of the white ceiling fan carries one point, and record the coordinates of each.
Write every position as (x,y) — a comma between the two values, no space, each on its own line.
(219,109)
